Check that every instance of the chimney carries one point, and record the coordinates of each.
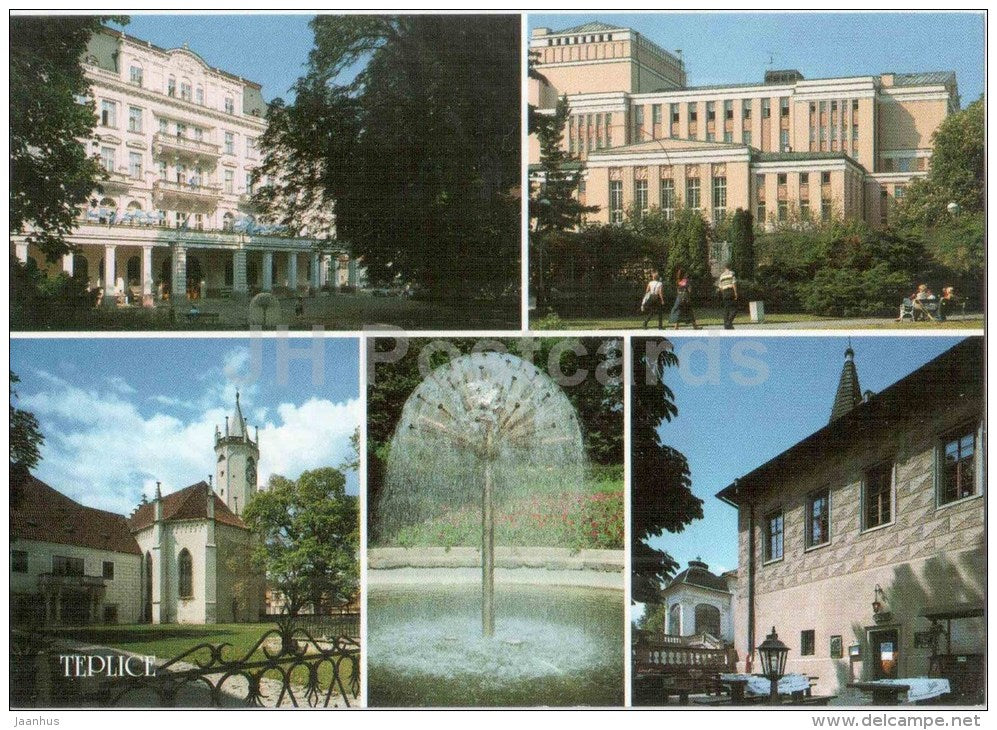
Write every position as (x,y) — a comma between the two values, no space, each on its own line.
(887,79)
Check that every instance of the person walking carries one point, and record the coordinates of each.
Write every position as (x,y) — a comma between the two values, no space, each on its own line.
(682,309)
(727,284)
(654,300)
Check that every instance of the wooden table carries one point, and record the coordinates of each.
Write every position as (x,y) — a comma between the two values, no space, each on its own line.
(882,694)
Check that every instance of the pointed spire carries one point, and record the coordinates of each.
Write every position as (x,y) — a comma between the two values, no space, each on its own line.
(849,394)
(238,422)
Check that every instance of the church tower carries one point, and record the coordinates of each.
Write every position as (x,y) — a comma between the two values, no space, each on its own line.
(238,457)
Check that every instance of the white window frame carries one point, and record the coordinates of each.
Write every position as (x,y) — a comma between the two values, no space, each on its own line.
(864,491)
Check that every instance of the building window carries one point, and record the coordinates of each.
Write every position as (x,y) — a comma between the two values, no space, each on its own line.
(171,87)
(773,536)
(760,212)
(111,614)
(185,571)
(229,143)
(780,179)
(615,201)
(804,179)
(855,132)
(807,642)
(199,95)
(251,148)
(107,570)
(229,181)
(181,130)
(18,561)
(229,105)
(249,183)
(185,90)
(957,470)
(134,119)
(135,165)
(902,164)
(719,198)
(784,139)
(729,109)
(162,125)
(668,198)
(135,75)
(107,158)
(766,108)
(825,209)
(693,113)
(198,134)
(825,178)
(728,137)
(746,137)
(656,113)
(609,129)
(711,137)
(640,197)
(782,210)
(746,109)
(108,113)
(692,193)
(877,501)
(708,620)
(818,518)
(784,106)
(711,111)
(163,173)
(804,209)
(61,565)
(675,113)
(675,620)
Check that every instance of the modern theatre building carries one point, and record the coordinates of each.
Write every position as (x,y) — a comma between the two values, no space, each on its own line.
(178,141)
(783,148)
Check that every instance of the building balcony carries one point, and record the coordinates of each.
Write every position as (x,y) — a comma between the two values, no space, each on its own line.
(179,196)
(58,580)
(117,181)
(185,147)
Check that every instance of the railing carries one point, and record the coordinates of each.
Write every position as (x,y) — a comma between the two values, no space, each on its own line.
(286,667)
(186,144)
(339,624)
(179,188)
(63,579)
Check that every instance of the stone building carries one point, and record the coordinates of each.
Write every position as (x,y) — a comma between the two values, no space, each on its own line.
(699,602)
(784,148)
(179,140)
(863,544)
(182,557)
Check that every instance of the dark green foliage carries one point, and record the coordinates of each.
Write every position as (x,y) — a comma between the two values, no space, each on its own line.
(661,489)
(420,152)
(742,240)
(957,174)
(25,435)
(688,251)
(52,170)
(309,538)
(37,300)
(598,399)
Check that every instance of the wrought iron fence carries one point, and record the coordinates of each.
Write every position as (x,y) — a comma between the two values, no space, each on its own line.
(286,667)
(345,623)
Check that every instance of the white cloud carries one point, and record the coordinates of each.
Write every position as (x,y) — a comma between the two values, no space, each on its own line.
(102,451)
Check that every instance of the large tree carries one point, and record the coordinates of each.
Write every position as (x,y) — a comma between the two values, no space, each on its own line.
(25,435)
(419,150)
(308,534)
(554,204)
(661,490)
(957,174)
(52,169)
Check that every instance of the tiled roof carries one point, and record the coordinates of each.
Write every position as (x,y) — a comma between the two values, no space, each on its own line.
(593,27)
(698,574)
(41,513)
(953,378)
(189,503)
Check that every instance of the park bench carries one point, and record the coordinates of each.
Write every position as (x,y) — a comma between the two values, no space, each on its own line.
(193,317)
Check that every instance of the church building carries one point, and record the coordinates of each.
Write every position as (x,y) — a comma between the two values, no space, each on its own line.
(182,557)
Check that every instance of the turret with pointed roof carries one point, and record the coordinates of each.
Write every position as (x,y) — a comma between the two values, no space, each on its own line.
(849,394)
(238,456)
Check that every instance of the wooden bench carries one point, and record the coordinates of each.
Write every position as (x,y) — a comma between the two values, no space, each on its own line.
(193,317)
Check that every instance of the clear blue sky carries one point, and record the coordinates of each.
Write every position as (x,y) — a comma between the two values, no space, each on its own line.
(271,50)
(736,47)
(119,414)
(726,428)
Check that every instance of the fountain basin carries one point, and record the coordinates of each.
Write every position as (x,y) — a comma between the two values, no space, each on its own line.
(554,644)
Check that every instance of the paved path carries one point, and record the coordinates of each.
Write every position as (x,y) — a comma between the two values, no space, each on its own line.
(968,321)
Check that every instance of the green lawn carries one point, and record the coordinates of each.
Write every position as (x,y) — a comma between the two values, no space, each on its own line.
(703,317)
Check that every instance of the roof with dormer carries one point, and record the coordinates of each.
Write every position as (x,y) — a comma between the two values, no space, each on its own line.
(39,512)
(189,503)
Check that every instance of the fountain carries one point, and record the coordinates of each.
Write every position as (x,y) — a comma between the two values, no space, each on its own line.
(488,418)
(480,437)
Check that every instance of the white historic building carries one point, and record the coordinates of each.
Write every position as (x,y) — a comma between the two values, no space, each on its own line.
(180,558)
(699,604)
(179,142)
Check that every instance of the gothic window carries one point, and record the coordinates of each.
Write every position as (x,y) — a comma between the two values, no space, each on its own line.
(185,569)
(251,472)
(675,620)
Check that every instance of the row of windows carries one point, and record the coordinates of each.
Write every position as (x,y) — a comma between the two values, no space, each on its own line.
(109,118)
(803,205)
(956,479)
(667,199)
(183,174)
(61,565)
(187,91)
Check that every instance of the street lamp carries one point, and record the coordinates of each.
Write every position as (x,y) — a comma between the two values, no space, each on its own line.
(772,654)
